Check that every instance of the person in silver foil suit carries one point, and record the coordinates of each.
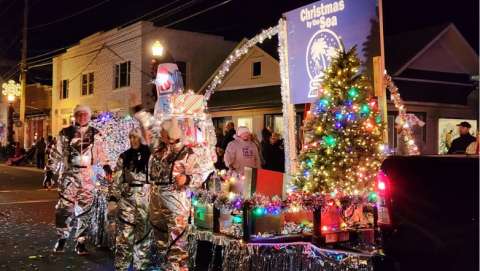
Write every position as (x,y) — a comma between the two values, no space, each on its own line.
(131,190)
(172,168)
(78,148)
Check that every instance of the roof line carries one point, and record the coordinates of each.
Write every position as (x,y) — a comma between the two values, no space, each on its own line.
(205,84)
(242,60)
(417,55)
(239,62)
(432,81)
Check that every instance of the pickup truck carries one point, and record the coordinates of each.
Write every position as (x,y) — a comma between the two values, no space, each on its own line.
(433,207)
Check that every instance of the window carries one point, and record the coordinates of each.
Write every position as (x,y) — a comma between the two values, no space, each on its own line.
(87,83)
(247,122)
(420,133)
(122,75)
(256,69)
(221,122)
(182,67)
(64,90)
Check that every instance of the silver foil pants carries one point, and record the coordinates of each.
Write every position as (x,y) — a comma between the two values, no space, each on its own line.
(134,236)
(75,202)
(170,209)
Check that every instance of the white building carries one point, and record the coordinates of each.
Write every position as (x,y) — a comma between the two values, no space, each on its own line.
(111,71)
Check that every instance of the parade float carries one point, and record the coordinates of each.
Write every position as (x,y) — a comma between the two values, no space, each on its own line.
(325,211)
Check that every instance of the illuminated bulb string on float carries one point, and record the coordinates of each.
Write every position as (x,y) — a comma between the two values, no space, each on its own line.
(406,126)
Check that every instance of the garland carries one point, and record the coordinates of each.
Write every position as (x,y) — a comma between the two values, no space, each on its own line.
(407,132)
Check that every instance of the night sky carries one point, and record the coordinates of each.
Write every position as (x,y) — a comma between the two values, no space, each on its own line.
(234,20)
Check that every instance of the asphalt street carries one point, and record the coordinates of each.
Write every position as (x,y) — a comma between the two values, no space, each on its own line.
(27,233)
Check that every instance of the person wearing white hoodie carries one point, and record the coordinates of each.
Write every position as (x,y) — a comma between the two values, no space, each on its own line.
(242,152)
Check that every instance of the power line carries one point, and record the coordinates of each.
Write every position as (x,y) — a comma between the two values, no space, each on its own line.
(197,13)
(176,10)
(123,59)
(40,65)
(69,16)
(6,9)
(88,64)
(123,34)
(148,13)
(49,52)
(12,69)
(12,43)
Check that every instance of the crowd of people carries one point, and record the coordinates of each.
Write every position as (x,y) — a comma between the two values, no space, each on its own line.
(240,148)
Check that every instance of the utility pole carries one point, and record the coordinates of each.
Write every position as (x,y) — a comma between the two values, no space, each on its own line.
(23,75)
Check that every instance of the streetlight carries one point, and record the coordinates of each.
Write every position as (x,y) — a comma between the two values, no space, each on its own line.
(157,54)
(11,90)
(157,49)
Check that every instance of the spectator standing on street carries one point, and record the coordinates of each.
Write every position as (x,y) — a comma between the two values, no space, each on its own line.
(48,179)
(219,164)
(274,154)
(229,135)
(266,134)
(255,140)
(40,147)
(460,144)
(242,152)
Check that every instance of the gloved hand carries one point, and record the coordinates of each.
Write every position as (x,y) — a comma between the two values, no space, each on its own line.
(108,172)
(111,207)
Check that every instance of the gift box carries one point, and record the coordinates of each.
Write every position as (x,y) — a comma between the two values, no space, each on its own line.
(188,104)
(203,216)
(266,183)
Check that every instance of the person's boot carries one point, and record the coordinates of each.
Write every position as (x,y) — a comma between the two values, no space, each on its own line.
(81,248)
(60,246)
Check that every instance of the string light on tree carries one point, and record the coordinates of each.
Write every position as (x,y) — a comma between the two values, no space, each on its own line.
(343,147)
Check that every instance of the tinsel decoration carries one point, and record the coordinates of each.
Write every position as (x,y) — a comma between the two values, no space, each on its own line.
(238,255)
(406,133)
(288,109)
(114,130)
(343,145)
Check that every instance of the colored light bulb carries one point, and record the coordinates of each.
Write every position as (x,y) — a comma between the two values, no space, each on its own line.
(372,197)
(353,92)
(329,141)
(365,109)
(237,219)
(259,211)
(339,116)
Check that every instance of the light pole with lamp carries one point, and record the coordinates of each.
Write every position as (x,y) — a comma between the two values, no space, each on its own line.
(157,53)
(11,89)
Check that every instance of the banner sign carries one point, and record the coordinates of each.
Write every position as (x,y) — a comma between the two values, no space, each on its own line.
(318,30)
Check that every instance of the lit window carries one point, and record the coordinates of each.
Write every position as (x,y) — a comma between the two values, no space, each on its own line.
(247,122)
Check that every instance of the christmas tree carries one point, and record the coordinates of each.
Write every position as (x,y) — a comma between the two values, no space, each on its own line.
(343,146)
